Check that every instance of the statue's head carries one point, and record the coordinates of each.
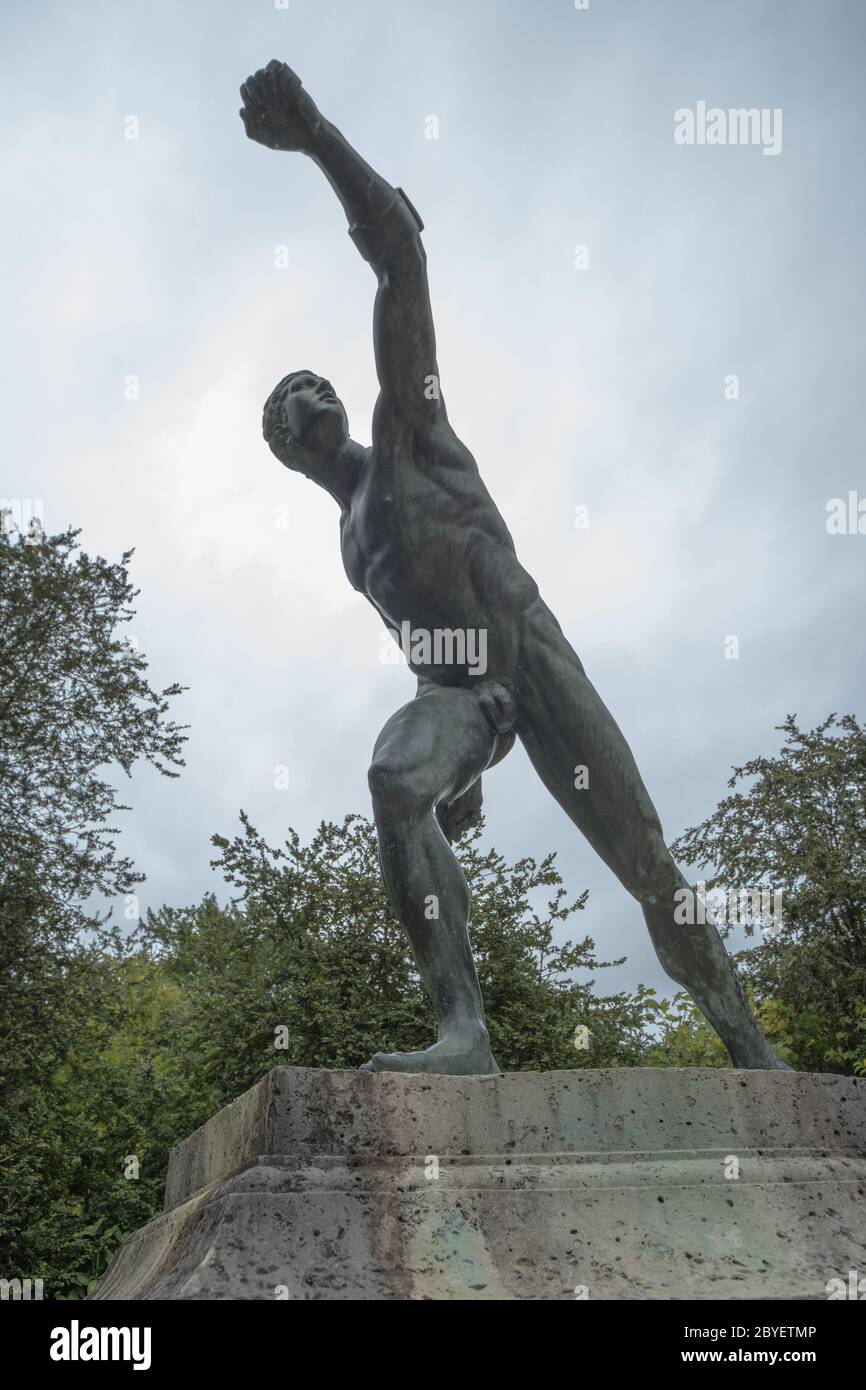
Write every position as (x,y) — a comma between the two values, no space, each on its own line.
(305,425)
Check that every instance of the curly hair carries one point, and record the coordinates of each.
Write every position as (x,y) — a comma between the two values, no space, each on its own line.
(274,427)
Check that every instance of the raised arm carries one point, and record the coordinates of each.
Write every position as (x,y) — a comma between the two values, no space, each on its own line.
(384,226)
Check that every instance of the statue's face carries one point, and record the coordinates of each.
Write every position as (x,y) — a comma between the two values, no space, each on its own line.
(315,416)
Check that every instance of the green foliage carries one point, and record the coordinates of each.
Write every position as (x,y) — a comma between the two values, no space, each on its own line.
(308,967)
(799,827)
(74,702)
(117,1097)
(684,1039)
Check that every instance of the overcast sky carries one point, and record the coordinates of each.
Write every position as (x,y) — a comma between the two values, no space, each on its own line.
(601,387)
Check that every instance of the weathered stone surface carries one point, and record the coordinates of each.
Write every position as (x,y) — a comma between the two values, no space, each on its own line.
(320,1184)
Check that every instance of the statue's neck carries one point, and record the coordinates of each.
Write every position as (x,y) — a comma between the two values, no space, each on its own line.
(344,474)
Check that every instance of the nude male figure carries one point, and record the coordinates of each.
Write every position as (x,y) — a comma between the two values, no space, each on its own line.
(423,540)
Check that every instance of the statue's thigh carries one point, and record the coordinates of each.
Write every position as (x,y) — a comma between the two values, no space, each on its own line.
(439,743)
(578,750)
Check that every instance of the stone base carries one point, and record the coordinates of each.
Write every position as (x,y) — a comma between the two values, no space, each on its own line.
(622,1184)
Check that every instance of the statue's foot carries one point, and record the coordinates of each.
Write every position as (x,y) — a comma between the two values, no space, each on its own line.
(461,1052)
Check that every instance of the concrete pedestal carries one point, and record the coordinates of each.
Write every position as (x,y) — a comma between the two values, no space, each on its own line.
(617,1184)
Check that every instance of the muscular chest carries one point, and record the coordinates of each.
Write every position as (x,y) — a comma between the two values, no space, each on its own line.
(401,518)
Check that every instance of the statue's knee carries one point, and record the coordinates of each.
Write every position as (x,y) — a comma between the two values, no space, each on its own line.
(379,779)
(396,788)
(653,876)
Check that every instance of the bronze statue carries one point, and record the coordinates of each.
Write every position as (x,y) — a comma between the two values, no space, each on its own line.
(422,539)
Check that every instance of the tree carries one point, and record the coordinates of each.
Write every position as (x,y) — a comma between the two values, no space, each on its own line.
(74,704)
(73,701)
(84,1160)
(308,966)
(798,829)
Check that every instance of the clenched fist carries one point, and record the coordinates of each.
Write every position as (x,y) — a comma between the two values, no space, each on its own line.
(277,112)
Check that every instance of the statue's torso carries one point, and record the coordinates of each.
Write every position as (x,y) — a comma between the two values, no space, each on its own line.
(426,544)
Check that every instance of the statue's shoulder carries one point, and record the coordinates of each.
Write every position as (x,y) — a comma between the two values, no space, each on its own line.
(430,444)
